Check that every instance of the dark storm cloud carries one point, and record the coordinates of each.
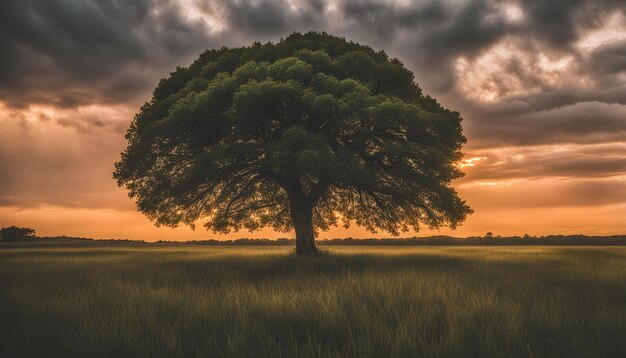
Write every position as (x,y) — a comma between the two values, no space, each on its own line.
(73,52)
(432,33)
(558,98)
(468,26)
(608,61)
(386,19)
(265,18)
(561,22)
(583,114)
(70,52)
(582,122)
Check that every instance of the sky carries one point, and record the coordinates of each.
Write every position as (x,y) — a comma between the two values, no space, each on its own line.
(541,85)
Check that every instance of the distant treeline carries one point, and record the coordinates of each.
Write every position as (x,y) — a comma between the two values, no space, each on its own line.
(441,240)
(413,241)
(486,240)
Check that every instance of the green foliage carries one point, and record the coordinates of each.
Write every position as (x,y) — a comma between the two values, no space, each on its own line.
(14,233)
(246,137)
(180,301)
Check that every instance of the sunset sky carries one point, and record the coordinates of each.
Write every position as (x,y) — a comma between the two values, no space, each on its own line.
(541,85)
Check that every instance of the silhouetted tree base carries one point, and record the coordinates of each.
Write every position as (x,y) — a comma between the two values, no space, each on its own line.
(305,246)
(302,217)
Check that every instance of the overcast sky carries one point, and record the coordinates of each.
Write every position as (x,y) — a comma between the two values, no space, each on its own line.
(541,85)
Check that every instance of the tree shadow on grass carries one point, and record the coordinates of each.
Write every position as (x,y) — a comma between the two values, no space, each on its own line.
(288,267)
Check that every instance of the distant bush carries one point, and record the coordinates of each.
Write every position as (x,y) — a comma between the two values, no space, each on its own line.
(14,233)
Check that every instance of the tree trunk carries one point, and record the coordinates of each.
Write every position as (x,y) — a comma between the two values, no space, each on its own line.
(302,219)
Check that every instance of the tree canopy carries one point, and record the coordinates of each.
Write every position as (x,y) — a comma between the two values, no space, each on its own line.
(14,233)
(305,133)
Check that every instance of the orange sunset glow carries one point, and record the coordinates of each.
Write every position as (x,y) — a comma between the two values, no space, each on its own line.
(543,105)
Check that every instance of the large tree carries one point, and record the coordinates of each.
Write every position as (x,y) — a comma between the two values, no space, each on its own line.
(300,134)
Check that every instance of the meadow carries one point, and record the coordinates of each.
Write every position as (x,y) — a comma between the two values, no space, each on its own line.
(184,300)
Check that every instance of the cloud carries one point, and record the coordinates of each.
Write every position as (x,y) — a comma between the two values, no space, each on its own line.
(545,193)
(61,157)
(608,62)
(387,19)
(591,161)
(271,18)
(581,122)
(73,52)
(560,23)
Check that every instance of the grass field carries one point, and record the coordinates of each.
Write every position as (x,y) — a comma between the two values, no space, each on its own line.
(357,301)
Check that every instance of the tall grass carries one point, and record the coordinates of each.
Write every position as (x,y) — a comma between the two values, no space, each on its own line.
(357,301)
